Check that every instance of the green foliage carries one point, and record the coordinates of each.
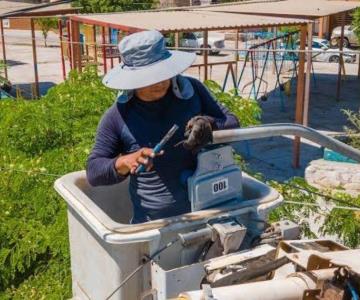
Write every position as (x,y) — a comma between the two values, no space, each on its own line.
(95,6)
(46,24)
(248,111)
(354,132)
(39,140)
(356,22)
(343,223)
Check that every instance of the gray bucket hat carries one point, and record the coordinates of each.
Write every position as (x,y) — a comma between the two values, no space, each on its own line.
(146,61)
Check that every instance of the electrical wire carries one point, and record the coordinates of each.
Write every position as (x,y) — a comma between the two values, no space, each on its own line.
(143,264)
(354,294)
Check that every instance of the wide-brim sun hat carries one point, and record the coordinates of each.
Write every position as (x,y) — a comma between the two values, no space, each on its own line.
(146,61)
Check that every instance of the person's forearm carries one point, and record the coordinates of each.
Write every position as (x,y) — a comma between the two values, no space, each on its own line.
(102,171)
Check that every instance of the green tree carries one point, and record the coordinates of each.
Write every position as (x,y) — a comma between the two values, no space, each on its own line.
(94,6)
(356,22)
(46,24)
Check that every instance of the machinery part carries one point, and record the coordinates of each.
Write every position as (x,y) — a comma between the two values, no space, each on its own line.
(237,258)
(228,232)
(288,229)
(291,288)
(251,273)
(160,145)
(208,295)
(354,293)
(216,180)
(196,237)
(264,131)
(231,235)
(145,260)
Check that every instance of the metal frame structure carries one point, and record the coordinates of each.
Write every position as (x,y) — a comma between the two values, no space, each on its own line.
(104,21)
(32,12)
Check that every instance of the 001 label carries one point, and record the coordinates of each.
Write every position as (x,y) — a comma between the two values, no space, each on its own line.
(220,186)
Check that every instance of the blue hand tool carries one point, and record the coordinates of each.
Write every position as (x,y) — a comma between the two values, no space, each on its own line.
(160,146)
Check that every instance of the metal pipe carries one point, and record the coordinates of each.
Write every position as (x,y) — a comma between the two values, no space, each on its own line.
(3,47)
(283,129)
(291,288)
(69,45)
(341,59)
(104,48)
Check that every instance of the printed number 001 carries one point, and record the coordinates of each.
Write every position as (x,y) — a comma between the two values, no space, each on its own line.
(220,186)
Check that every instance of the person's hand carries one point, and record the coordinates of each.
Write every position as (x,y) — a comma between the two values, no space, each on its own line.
(198,132)
(128,163)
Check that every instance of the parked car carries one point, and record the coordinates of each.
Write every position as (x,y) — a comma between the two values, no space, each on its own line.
(350,38)
(5,84)
(5,95)
(323,52)
(196,40)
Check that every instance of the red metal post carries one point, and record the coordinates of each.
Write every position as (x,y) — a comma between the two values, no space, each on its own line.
(33,42)
(69,44)
(111,47)
(62,49)
(3,47)
(95,46)
(104,48)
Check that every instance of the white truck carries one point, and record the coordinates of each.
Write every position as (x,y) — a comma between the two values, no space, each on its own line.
(223,249)
(350,38)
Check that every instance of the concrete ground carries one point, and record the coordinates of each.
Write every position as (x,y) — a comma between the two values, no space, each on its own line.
(271,157)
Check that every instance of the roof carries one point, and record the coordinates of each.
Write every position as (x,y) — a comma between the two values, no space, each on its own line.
(288,8)
(11,6)
(171,21)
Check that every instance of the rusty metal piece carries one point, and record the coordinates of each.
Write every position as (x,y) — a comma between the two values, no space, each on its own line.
(332,292)
(311,294)
(316,262)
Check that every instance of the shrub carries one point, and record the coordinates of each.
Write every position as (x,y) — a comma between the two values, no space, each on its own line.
(353,132)
(40,141)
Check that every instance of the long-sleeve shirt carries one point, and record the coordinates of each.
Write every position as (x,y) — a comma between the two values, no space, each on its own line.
(127,127)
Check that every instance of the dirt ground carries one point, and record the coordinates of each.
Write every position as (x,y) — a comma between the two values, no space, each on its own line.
(270,156)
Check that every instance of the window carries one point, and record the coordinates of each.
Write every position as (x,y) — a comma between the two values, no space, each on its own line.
(316,45)
(189,36)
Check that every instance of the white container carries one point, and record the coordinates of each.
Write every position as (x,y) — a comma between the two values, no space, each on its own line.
(105,248)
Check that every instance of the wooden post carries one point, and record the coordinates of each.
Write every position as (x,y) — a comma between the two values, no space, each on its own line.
(321,28)
(75,45)
(69,45)
(308,75)
(300,95)
(206,55)
(33,43)
(177,39)
(104,48)
(62,49)
(3,47)
(341,60)
(75,34)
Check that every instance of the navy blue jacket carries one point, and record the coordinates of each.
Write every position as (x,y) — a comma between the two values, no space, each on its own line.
(127,127)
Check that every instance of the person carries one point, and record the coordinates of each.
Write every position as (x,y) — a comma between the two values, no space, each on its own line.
(153,97)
